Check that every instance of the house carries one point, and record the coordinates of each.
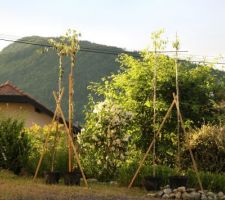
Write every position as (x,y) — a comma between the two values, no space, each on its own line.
(16,103)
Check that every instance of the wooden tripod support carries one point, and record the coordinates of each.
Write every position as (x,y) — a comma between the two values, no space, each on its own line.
(60,112)
(47,136)
(157,134)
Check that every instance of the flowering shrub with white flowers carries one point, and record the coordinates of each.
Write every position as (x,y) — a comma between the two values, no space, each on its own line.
(104,139)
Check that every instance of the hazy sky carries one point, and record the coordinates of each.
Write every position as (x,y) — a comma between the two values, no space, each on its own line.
(200,24)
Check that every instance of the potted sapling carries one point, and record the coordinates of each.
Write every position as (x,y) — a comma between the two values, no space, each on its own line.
(154,182)
(179,179)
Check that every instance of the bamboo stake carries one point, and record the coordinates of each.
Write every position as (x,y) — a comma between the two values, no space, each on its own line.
(154,113)
(47,136)
(150,146)
(71,140)
(176,45)
(54,146)
(70,122)
(189,148)
(61,91)
(42,156)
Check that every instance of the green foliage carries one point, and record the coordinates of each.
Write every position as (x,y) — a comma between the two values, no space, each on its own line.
(6,174)
(14,145)
(104,139)
(127,171)
(157,41)
(208,146)
(37,136)
(210,181)
(132,90)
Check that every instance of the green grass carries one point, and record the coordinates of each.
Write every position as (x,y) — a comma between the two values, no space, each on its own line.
(13,187)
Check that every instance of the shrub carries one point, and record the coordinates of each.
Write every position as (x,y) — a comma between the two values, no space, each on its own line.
(210,181)
(37,135)
(14,145)
(104,141)
(128,169)
(127,172)
(208,147)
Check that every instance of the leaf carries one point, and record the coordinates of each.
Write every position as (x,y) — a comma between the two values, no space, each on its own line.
(148,104)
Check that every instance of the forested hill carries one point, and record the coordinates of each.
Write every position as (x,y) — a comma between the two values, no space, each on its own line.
(37,73)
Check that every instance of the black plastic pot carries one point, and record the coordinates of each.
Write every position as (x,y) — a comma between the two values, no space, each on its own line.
(152,182)
(52,177)
(178,181)
(72,178)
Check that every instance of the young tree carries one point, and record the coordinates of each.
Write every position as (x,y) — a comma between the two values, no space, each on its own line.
(67,45)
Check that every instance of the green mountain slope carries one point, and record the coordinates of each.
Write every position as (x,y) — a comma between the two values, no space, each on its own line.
(37,73)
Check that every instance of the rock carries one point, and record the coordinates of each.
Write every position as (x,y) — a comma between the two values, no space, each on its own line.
(220,195)
(178,195)
(186,196)
(222,198)
(175,190)
(203,197)
(195,195)
(165,187)
(211,196)
(181,189)
(190,190)
(159,194)
(167,191)
(152,195)
(166,196)
(172,196)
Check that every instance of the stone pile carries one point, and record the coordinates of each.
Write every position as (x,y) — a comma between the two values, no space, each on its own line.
(182,193)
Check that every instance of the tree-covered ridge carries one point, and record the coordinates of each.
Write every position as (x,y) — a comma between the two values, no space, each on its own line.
(36,72)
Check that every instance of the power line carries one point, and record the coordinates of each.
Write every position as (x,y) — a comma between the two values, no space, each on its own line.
(4,36)
(86,49)
(208,62)
(194,58)
(183,53)
(26,42)
(103,51)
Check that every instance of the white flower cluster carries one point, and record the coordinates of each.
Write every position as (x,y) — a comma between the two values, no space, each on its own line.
(106,137)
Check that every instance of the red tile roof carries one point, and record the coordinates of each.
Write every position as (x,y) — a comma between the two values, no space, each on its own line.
(8,88)
(11,93)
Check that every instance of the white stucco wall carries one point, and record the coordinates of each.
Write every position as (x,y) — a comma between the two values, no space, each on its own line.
(25,112)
